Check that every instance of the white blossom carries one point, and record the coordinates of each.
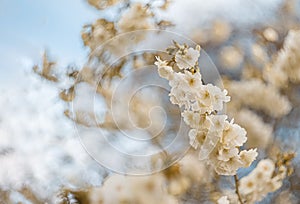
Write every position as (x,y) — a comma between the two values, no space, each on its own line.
(233,135)
(124,189)
(190,171)
(223,200)
(187,58)
(270,34)
(260,96)
(231,57)
(286,65)
(261,181)
(217,139)
(164,70)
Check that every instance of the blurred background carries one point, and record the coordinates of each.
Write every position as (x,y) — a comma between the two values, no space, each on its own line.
(36,138)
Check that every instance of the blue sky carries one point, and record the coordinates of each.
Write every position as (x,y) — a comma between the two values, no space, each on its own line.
(29,26)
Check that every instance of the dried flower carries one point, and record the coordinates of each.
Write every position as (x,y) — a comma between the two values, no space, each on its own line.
(97,33)
(46,70)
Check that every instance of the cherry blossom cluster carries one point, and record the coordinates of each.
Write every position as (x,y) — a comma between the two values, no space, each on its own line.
(267,94)
(124,189)
(218,139)
(133,16)
(286,65)
(262,180)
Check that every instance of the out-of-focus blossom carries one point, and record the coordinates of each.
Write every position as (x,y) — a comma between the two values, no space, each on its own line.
(231,57)
(286,65)
(270,34)
(136,18)
(259,133)
(186,174)
(261,181)
(102,4)
(123,189)
(260,96)
(259,54)
(223,200)
(97,33)
(217,33)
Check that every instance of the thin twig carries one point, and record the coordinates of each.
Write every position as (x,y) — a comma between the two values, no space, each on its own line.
(236,179)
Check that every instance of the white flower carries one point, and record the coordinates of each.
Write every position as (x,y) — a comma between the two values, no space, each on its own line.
(164,70)
(223,200)
(187,60)
(192,80)
(267,167)
(193,119)
(248,156)
(226,154)
(247,186)
(212,97)
(196,138)
(205,95)
(233,136)
(261,181)
(226,157)
(218,121)
(220,97)
(217,139)
(179,96)
(228,167)
(177,80)
(270,34)
(198,106)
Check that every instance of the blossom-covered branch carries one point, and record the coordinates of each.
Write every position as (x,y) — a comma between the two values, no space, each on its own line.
(218,139)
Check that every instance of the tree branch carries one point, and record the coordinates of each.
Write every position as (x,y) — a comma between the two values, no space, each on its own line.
(236,179)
